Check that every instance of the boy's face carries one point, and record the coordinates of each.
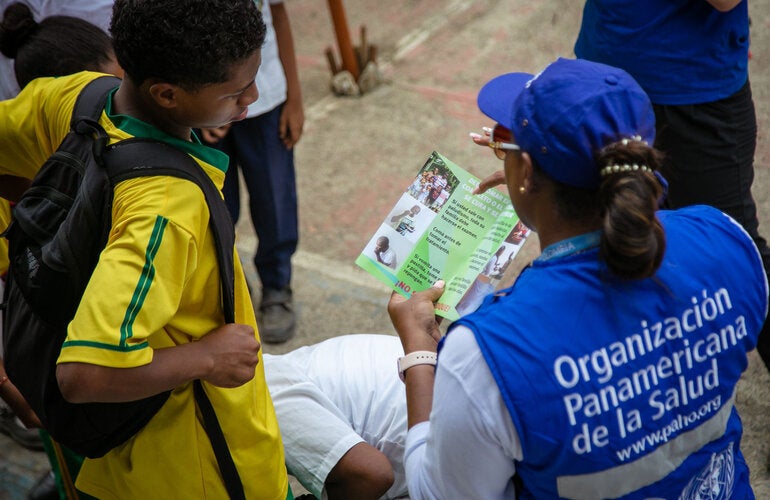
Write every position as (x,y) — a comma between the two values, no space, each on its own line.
(218,104)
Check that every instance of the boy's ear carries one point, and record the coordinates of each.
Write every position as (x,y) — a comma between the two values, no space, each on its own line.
(164,94)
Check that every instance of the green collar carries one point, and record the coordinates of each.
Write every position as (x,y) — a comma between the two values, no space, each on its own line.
(138,128)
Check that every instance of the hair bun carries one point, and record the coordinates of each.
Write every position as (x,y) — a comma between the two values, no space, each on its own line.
(15,29)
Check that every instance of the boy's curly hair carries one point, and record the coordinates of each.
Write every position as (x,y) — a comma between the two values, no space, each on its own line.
(190,43)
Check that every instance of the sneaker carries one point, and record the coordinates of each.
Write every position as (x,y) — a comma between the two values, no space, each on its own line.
(276,315)
(13,427)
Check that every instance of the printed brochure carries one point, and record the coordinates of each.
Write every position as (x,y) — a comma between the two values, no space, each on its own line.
(437,230)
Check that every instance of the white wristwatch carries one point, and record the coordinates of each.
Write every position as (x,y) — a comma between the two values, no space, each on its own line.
(413,359)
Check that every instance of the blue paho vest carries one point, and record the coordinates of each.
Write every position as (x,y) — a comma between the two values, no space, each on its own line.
(626,388)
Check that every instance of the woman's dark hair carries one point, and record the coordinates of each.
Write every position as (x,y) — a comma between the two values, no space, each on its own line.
(56,46)
(633,241)
(190,43)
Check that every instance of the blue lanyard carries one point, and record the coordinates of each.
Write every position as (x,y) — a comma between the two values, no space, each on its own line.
(576,244)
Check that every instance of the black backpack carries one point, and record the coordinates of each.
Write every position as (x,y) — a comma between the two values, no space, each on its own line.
(59,228)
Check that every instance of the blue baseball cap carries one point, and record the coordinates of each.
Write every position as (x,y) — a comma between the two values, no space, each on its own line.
(568,112)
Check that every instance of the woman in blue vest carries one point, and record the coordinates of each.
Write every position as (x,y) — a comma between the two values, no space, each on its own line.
(692,59)
(608,370)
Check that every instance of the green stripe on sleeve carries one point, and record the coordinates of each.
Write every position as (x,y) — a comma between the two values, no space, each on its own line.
(145,280)
(107,347)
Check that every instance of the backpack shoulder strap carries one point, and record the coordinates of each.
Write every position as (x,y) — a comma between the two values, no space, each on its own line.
(90,103)
(88,109)
(138,157)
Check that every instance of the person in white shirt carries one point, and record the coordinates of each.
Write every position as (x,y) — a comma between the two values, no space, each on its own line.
(385,254)
(96,12)
(342,412)
(261,148)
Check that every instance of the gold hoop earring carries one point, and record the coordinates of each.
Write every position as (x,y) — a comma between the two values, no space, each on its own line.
(522,189)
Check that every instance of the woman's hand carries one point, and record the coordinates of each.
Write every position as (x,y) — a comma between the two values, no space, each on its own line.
(417,326)
(415,320)
(495,179)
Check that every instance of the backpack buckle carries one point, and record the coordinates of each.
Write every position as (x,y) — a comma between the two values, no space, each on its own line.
(87,126)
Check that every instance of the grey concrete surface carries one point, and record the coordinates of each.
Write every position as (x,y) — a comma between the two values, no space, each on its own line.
(359,154)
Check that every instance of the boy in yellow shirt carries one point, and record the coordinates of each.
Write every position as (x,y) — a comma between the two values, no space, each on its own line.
(151,318)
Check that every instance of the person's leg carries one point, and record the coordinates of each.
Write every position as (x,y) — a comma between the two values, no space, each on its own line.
(65,465)
(709,152)
(268,171)
(710,160)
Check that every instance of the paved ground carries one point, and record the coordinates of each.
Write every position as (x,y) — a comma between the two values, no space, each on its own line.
(359,154)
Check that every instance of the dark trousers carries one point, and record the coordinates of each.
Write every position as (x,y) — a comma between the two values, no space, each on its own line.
(710,160)
(267,166)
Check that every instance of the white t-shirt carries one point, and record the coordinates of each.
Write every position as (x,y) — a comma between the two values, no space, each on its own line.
(271,80)
(97,12)
(333,395)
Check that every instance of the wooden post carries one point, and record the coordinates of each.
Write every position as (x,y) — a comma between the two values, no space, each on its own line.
(347,54)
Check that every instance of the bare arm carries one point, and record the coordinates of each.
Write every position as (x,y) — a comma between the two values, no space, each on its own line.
(363,473)
(226,357)
(724,5)
(415,322)
(292,116)
(397,217)
(13,398)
